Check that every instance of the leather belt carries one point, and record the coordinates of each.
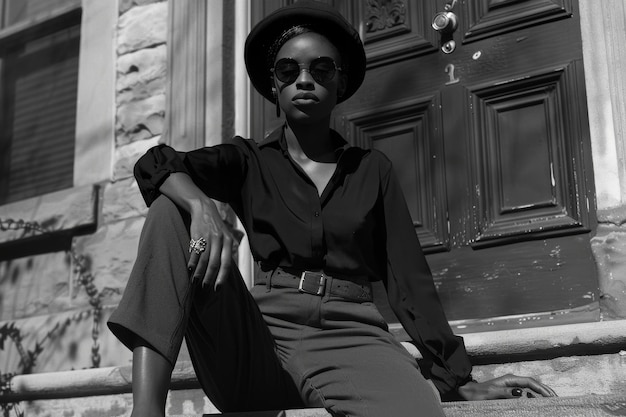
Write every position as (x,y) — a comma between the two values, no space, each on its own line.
(317,283)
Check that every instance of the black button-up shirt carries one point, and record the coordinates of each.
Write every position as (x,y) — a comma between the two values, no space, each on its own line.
(359,226)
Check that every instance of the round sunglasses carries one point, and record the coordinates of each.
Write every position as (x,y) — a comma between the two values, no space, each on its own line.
(322,69)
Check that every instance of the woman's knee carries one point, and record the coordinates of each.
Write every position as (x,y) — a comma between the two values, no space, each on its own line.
(165,212)
(164,206)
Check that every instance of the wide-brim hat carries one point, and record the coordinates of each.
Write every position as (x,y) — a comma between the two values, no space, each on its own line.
(322,18)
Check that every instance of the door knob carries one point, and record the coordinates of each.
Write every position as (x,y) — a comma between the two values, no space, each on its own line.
(445,22)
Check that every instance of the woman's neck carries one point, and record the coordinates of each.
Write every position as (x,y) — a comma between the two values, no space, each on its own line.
(310,142)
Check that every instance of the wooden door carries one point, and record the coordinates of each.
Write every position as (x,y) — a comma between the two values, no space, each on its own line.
(491,145)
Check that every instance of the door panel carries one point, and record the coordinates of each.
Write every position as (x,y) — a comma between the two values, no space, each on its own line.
(488,18)
(491,146)
(394,29)
(409,134)
(531,179)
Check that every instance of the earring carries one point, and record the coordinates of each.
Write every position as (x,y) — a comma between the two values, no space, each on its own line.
(276,100)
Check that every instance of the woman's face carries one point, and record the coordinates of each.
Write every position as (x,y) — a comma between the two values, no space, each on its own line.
(306,100)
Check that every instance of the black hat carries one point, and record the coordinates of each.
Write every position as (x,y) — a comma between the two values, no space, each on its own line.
(322,18)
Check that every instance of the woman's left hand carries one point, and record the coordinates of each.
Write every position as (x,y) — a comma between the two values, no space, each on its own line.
(507,386)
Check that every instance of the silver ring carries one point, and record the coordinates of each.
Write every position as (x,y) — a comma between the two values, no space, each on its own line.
(198,246)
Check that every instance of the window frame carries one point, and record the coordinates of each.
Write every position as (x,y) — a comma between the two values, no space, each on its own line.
(34,27)
(21,33)
(95,123)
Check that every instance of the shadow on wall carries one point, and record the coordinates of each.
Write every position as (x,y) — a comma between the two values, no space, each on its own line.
(28,347)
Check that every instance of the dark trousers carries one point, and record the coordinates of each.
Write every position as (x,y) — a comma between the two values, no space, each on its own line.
(268,348)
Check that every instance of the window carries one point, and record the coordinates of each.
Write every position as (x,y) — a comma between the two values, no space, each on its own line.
(39,47)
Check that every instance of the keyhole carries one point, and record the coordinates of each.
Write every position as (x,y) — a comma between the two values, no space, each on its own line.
(448,47)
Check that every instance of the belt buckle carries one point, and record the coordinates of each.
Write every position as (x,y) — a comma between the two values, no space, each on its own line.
(321,283)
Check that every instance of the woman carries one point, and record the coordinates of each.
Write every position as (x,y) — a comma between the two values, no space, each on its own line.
(324,219)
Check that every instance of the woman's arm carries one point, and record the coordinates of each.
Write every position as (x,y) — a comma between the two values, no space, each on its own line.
(212,265)
(414,298)
(191,180)
(412,294)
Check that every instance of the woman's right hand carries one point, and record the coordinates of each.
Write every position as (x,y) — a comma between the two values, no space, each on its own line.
(213,264)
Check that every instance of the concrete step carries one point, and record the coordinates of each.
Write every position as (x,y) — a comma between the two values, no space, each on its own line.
(583,363)
(586,406)
(120,406)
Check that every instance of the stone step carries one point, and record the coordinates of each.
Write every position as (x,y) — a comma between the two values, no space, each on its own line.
(583,363)
(187,400)
(586,406)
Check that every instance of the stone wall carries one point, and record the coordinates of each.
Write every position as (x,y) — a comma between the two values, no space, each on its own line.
(58,289)
(604,33)
(609,248)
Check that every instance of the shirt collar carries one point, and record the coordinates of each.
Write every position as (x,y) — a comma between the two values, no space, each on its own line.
(277,138)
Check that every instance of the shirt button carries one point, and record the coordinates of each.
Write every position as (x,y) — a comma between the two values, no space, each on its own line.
(316,214)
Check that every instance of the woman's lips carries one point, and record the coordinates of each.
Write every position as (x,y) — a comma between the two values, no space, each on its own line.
(305,98)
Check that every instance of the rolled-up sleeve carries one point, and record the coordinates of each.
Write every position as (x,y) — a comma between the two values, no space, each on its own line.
(413,296)
(154,167)
(218,171)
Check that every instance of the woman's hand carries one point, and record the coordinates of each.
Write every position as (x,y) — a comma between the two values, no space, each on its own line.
(212,265)
(212,258)
(507,386)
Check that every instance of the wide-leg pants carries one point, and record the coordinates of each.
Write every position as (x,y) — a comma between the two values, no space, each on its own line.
(265,349)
